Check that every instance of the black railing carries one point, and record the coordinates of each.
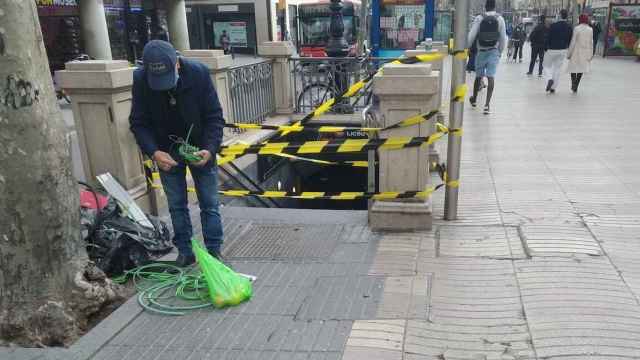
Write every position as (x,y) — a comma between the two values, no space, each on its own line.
(315,80)
(251,89)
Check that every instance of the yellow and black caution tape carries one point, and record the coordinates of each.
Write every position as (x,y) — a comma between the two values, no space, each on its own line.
(153,178)
(460,93)
(330,146)
(460,54)
(442,172)
(315,195)
(350,195)
(353,163)
(410,121)
(355,88)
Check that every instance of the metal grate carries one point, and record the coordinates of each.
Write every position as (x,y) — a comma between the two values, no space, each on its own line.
(274,241)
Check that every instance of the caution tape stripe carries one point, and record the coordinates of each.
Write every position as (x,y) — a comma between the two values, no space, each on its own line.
(317,195)
(410,121)
(355,88)
(354,163)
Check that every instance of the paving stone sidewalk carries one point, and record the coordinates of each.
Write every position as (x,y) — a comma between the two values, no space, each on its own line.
(543,263)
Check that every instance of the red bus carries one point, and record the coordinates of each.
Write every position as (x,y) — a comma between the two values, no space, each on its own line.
(313,26)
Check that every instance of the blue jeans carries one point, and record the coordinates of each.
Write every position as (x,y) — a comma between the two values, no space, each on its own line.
(206,183)
(487,63)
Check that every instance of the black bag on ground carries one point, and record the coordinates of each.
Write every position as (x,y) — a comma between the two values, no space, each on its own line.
(489,31)
(116,243)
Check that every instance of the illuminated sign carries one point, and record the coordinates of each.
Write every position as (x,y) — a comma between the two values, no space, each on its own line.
(57,2)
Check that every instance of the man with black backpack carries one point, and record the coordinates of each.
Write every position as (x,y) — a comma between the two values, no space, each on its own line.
(489,31)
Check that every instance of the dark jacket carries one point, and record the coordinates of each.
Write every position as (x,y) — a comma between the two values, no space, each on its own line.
(519,34)
(538,36)
(559,37)
(196,103)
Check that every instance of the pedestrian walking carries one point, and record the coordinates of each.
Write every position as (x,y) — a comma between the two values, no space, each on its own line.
(488,31)
(558,40)
(580,51)
(538,41)
(225,42)
(595,26)
(174,100)
(519,37)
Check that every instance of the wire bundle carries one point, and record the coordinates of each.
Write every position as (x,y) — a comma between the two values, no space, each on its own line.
(159,285)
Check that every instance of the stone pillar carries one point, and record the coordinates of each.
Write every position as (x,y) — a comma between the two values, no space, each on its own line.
(280,52)
(100,92)
(218,64)
(438,46)
(177,21)
(404,90)
(93,24)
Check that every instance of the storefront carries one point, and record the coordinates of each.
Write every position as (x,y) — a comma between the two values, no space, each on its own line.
(623,30)
(209,23)
(133,23)
(130,23)
(60,25)
(399,25)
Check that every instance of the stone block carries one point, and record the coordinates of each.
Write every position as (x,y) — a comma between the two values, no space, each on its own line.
(212,59)
(203,53)
(96,65)
(95,75)
(402,80)
(276,49)
(401,216)
(101,104)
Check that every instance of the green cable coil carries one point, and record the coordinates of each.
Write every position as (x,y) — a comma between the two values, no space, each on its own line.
(160,283)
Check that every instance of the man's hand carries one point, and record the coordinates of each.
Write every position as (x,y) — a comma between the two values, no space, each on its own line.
(205,155)
(164,160)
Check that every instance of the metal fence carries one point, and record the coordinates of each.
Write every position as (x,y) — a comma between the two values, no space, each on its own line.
(251,89)
(315,80)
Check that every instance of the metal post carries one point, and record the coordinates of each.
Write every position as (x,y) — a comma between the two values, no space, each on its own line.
(337,45)
(458,77)
(430,7)
(363,29)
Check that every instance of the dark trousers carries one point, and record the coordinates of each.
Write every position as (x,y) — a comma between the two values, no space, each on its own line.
(536,52)
(575,80)
(206,183)
(517,47)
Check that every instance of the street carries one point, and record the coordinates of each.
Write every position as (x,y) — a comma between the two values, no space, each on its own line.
(543,263)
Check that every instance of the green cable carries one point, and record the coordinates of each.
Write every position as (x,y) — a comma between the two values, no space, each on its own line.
(152,281)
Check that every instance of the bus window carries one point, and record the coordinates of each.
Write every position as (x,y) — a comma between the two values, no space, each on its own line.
(315,31)
(314,20)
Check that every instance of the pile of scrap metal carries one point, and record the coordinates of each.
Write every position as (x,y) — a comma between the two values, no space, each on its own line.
(118,234)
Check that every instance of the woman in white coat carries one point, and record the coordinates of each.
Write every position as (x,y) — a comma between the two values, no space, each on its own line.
(580,51)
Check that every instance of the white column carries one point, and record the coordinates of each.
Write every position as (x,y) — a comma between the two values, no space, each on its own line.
(101,102)
(404,91)
(178,29)
(93,25)
(280,52)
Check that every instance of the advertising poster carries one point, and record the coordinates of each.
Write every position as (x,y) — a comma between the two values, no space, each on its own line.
(235,30)
(624,30)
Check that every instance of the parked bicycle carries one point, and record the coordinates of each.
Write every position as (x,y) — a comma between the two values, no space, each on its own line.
(331,78)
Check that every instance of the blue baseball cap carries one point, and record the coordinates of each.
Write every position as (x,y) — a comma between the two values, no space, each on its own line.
(159,59)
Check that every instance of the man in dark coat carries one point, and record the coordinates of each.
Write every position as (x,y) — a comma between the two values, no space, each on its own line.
(538,40)
(174,102)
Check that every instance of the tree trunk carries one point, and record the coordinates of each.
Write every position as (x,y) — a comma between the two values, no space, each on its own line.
(48,288)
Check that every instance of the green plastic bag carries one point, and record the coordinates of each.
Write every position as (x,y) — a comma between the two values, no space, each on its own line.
(226,287)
